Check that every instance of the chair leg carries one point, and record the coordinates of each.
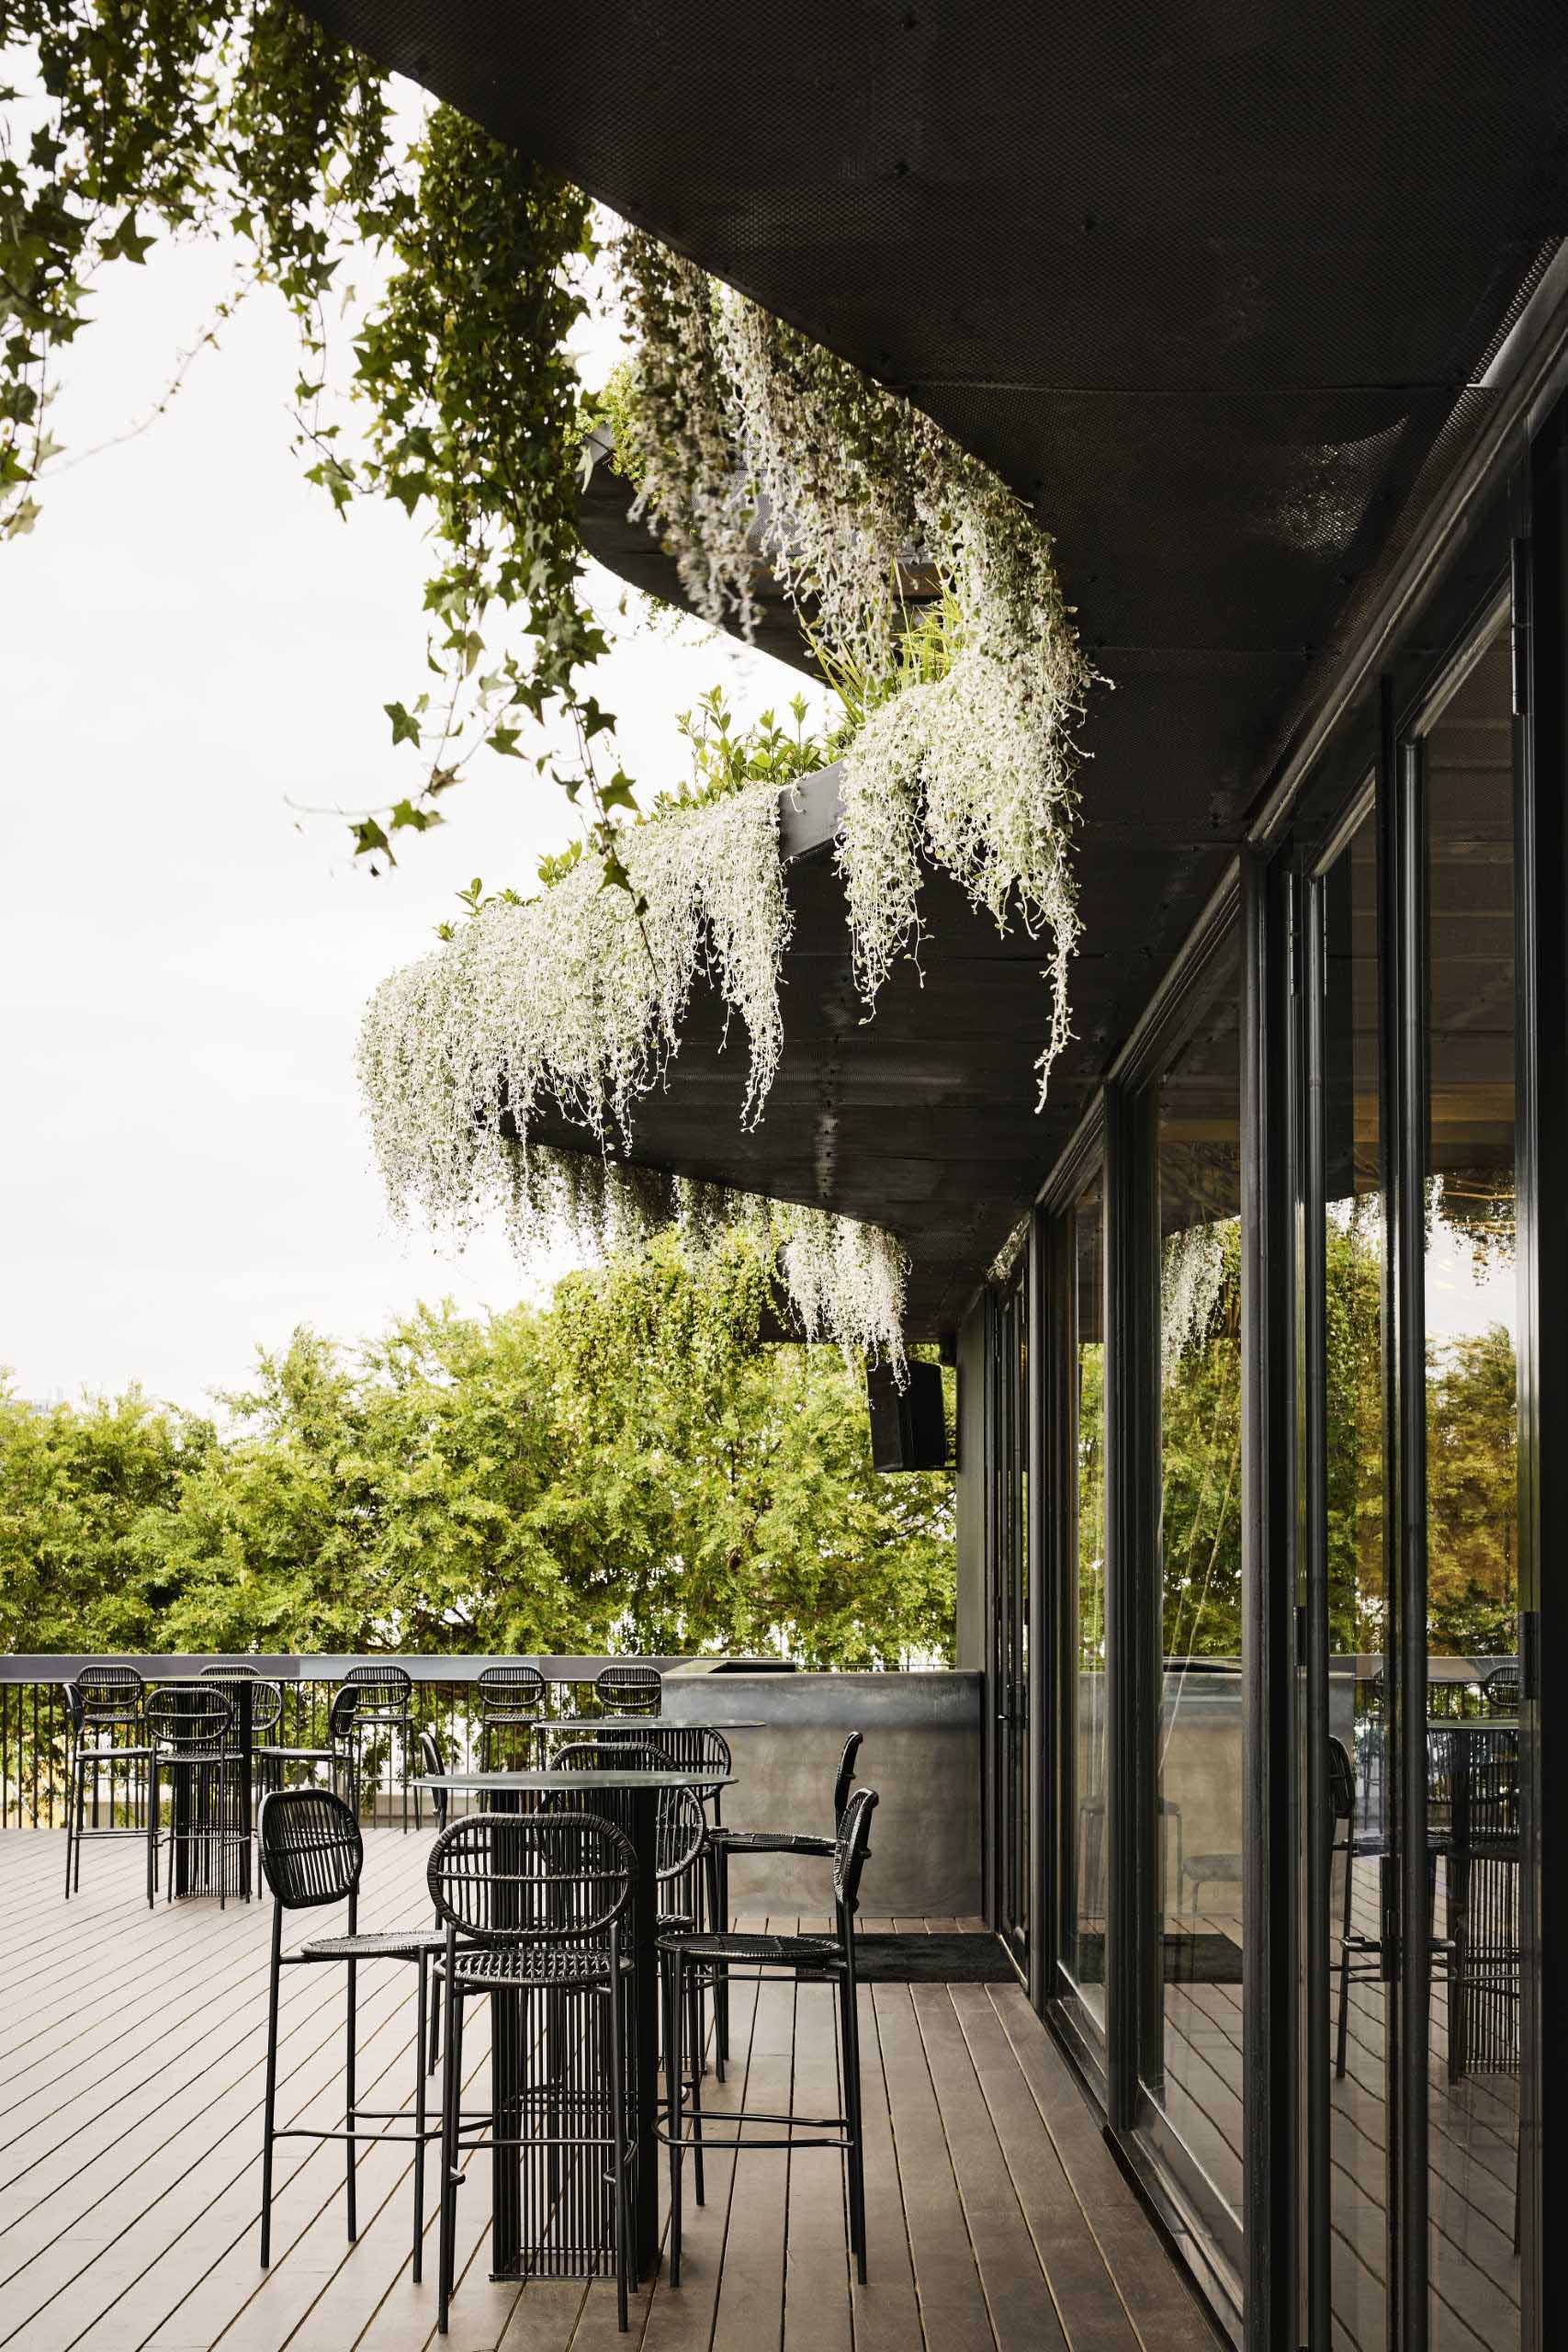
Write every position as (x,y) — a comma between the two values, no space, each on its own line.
(434,2017)
(451,2109)
(675,2061)
(269,2109)
(81,1818)
(718,1925)
(695,2033)
(70,1817)
(350,2146)
(1342,2036)
(619,2151)
(419,2037)
(856,2152)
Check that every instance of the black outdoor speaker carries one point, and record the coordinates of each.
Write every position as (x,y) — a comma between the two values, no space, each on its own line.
(909,1427)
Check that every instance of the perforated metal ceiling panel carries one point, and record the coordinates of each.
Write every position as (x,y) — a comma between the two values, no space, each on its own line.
(1206,280)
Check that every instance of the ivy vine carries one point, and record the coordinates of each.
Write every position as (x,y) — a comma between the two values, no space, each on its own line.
(247,122)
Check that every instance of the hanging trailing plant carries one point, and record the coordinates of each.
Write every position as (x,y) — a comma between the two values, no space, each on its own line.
(967,761)
(1193,1275)
(569,1005)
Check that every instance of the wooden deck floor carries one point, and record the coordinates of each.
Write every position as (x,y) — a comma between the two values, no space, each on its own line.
(132,2048)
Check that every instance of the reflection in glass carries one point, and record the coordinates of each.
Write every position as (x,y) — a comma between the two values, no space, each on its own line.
(1359,1761)
(1194,2071)
(1084,1937)
(1472,1744)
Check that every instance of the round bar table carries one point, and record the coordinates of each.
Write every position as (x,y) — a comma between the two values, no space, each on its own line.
(631,1801)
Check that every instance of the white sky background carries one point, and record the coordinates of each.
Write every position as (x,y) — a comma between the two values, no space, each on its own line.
(191,639)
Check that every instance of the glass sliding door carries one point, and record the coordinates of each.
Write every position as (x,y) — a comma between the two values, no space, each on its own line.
(1080,1315)
(1418,1797)
(1469,1730)
(1349,1752)
(1191,2064)
(1011,1571)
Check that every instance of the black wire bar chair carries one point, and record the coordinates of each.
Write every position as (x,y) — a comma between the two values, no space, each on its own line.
(681,1828)
(1361,1958)
(106,1738)
(535,1907)
(381,1710)
(277,1762)
(249,1692)
(314,1857)
(722,1841)
(800,1960)
(629,1690)
(513,1701)
(190,1729)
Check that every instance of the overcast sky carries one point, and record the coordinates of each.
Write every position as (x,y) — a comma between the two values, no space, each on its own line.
(188,641)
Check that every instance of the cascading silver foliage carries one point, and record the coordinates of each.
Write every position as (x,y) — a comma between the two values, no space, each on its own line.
(848,483)
(571,1006)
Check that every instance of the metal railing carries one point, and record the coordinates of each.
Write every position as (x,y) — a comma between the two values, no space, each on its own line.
(34,1715)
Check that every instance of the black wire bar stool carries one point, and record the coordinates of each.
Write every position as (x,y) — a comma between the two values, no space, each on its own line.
(629,1690)
(277,1762)
(1361,1958)
(722,1841)
(513,1704)
(106,1737)
(250,1694)
(682,1827)
(314,1857)
(381,1708)
(533,1904)
(800,1960)
(190,1728)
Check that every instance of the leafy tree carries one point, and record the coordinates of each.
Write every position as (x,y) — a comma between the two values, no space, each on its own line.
(629,1466)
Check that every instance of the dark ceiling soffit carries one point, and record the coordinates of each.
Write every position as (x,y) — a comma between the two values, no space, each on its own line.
(1527,371)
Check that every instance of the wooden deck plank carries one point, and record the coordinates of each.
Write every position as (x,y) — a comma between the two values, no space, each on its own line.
(1093,2315)
(816,2309)
(1156,2298)
(952,2302)
(1012,2278)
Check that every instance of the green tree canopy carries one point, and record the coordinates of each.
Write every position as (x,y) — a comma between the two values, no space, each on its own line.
(626,1467)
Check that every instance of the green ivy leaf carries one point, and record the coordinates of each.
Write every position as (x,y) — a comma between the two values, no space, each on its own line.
(405,728)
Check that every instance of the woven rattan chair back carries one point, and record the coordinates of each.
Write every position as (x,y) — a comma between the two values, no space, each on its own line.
(680,1821)
(381,1693)
(512,1694)
(108,1697)
(543,1877)
(630,1690)
(191,1720)
(1501,1690)
(237,1682)
(846,1775)
(431,1763)
(1342,1781)
(850,1852)
(311,1851)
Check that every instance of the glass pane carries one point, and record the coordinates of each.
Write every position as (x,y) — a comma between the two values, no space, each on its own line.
(1194,2075)
(1084,1925)
(1358,1751)
(1473,1743)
